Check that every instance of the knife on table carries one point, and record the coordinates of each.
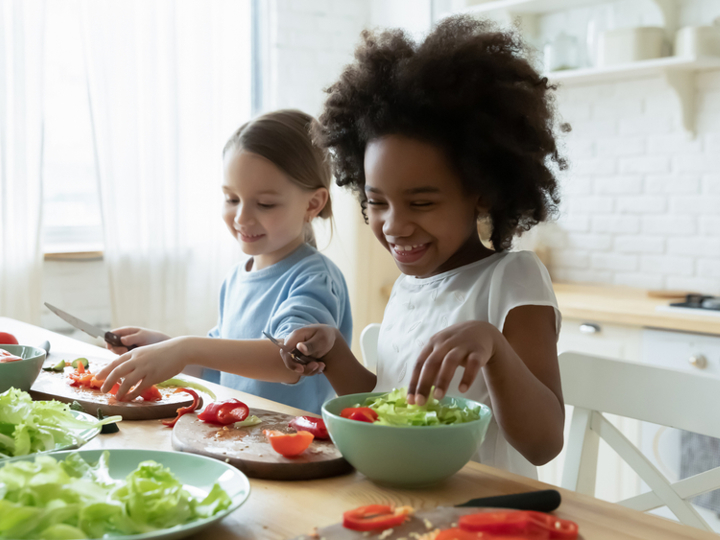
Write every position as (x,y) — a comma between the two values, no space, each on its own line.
(89,329)
(541,501)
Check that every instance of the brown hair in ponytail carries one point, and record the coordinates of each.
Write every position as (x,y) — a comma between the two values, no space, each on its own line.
(283,138)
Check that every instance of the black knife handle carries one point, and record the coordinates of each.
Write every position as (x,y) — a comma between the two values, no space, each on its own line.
(115,341)
(541,501)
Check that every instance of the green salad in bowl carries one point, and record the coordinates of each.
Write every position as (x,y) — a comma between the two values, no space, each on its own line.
(395,443)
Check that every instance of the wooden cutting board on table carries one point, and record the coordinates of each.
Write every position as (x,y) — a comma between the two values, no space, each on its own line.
(249,450)
(419,524)
(55,385)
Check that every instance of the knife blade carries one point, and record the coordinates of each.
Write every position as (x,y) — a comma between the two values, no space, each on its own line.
(541,501)
(89,329)
(299,357)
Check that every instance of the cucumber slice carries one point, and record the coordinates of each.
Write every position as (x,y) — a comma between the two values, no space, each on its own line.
(59,367)
(83,361)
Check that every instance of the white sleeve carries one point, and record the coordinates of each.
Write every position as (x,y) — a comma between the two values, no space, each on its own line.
(520,279)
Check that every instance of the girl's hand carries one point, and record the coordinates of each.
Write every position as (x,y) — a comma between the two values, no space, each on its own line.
(143,367)
(132,335)
(315,341)
(469,344)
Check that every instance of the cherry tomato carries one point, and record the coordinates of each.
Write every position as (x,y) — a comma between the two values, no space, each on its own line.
(362,414)
(7,339)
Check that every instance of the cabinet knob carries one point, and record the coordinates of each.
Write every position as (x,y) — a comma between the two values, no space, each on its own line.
(589,328)
(698,361)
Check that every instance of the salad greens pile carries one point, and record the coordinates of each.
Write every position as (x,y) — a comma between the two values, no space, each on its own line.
(57,500)
(28,426)
(393,410)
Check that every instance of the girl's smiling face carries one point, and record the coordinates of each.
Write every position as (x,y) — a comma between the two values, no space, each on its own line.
(264,209)
(418,208)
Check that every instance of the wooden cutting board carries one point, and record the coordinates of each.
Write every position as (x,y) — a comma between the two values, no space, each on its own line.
(55,385)
(420,523)
(249,450)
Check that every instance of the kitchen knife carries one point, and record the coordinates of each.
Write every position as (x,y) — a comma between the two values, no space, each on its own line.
(89,329)
(299,357)
(541,501)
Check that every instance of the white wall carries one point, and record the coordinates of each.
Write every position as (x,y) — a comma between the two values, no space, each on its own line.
(641,202)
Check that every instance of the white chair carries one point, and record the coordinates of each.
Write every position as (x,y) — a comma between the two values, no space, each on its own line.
(672,398)
(368,346)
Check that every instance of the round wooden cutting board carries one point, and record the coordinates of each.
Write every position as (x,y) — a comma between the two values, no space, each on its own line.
(249,450)
(55,385)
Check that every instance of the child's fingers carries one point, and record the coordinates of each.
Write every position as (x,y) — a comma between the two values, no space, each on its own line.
(290,362)
(138,390)
(126,330)
(130,380)
(297,336)
(417,371)
(472,368)
(428,375)
(106,373)
(317,369)
(447,371)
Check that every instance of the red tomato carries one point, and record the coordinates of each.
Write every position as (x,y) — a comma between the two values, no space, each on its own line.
(7,339)
(520,523)
(289,444)
(151,394)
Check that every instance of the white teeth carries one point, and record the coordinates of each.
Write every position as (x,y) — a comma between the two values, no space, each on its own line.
(406,248)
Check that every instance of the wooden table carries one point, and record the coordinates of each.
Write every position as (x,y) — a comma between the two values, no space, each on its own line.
(281,510)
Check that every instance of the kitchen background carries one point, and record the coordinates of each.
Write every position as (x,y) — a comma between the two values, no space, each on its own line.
(640,200)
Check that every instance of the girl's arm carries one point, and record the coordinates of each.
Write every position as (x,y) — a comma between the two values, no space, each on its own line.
(145,366)
(345,373)
(521,370)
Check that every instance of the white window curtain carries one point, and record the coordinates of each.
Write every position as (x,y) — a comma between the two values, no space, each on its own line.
(169,82)
(21,69)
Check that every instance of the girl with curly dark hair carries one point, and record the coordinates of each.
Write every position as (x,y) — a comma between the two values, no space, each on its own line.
(433,137)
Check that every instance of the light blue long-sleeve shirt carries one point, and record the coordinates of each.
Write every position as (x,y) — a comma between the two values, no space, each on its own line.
(304,288)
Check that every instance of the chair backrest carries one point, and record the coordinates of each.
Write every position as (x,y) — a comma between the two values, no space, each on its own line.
(673,398)
(369,344)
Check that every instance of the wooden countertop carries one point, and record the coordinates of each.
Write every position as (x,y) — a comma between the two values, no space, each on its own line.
(627,306)
(279,510)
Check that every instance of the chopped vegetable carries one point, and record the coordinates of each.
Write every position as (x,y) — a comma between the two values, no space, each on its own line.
(182,383)
(313,425)
(289,444)
(59,367)
(7,339)
(28,426)
(107,428)
(393,410)
(362,414)
(251,420)
(83,361)
(6,357)
(225,412)
(520,523)
(151,394)
(184,410)
(75,499)
(376,517)
(459,534)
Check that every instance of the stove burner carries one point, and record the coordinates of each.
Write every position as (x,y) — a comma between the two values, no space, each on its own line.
(699,301)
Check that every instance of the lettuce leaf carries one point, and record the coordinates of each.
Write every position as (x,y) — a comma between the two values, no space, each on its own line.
(28,426)
(47,499)
(393,410)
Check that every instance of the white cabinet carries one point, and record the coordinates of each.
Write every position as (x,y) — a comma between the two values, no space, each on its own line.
(601,339)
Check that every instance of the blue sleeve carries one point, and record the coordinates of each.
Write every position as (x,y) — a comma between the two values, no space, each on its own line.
(215,332)
(312,299)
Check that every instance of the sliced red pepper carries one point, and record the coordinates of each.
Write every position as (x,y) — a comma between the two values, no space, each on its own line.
(459,534)
(6,357)
(225,412)
(151,394)
(184,410)
(376,517)
(520,522)
(313,425)
(289,444)
(363,414)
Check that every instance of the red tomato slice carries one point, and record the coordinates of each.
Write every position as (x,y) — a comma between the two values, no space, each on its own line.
(459,534)
(289,444)
(151,394)
(313,425)
(6,357)
(520,522)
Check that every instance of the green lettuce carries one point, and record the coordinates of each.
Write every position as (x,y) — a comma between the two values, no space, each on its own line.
(393,410)
(28,426)
(47,499)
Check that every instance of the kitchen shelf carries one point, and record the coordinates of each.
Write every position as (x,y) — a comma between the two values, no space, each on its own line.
(634,70)
(679,73)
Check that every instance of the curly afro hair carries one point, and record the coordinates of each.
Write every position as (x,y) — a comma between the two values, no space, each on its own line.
(467,88)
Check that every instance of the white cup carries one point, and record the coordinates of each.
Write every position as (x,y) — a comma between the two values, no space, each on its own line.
(696,41)
(625,45)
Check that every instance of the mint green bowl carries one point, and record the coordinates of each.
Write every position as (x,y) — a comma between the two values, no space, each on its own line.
(411,456)
(21,374)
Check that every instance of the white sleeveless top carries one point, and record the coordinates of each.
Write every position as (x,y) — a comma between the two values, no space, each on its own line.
(485,290)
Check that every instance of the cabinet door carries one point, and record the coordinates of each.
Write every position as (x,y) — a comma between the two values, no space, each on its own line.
(600,339)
